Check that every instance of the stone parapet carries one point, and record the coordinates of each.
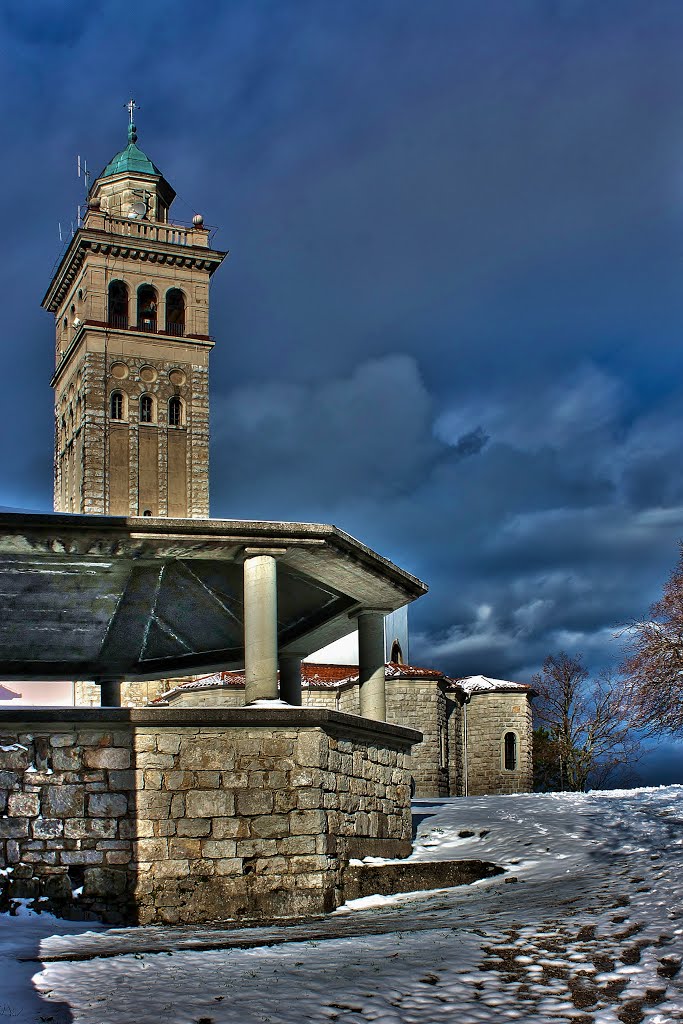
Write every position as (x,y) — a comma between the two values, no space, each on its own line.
(197,814)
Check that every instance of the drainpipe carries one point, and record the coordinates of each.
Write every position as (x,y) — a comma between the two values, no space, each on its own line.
(466,787)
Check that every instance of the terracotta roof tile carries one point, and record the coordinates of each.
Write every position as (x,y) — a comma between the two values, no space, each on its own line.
(317,676)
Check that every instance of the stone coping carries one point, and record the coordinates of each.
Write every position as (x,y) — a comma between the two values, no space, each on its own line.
(244,717)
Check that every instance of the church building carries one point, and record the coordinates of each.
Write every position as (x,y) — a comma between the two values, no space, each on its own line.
(130,299)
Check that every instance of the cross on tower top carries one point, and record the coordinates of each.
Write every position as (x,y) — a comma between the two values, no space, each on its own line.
(131,105)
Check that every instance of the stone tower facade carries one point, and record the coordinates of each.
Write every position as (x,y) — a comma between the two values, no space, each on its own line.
(130,299)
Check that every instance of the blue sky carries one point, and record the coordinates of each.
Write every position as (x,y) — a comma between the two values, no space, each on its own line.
(452,315)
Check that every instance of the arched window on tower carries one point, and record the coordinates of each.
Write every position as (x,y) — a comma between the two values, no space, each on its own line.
(396,655)
(510,751)
(146,409)
(147,308)
(117,313)
(175,412)
(175,312)
(116,405)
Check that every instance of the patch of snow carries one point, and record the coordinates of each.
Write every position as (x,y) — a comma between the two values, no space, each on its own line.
(592,928)
(482,684)
(277,703)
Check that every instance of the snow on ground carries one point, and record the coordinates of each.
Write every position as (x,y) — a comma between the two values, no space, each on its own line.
(586,926)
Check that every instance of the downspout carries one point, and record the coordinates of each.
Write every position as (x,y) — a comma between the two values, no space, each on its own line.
(465,779)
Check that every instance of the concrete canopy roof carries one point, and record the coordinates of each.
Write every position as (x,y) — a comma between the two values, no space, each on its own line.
(91,597)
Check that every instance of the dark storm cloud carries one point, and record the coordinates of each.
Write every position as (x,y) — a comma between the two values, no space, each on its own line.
(451,317)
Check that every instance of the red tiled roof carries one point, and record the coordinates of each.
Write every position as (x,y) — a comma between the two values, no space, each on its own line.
(314,675)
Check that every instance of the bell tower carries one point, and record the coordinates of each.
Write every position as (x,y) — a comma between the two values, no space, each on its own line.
(130,299)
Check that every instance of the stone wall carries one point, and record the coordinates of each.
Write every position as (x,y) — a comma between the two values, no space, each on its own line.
(489,717)
(317,699)
(438,764)
(133,695)
(415,704)
(410,701)
(456,760)
(189,815)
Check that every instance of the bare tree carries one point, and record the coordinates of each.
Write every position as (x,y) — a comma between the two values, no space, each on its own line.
(654,668)
(586,724)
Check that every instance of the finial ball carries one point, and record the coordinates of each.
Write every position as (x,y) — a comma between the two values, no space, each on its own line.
(198,220)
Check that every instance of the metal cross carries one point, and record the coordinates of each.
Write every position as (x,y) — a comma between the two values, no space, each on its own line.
(131,105)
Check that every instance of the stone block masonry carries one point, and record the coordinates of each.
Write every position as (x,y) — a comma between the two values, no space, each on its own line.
(196,815)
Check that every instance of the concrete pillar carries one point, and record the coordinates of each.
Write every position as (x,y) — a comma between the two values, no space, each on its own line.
(260,627)
(290,678)
(373,702)
(110,692)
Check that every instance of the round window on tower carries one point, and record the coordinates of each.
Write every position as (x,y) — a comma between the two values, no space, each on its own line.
(119,370)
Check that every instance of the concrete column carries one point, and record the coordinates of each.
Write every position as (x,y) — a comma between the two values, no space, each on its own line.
(110,692)
(373,702)
(290,678)
(260,627)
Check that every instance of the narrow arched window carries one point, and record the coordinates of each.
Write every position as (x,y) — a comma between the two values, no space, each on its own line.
(396,655)
(175,312)
(510,751)
(147,308)
(175,412)
(117,312)
(116,405)
(146,409)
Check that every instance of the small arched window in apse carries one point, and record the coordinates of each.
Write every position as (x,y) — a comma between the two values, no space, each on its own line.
(175,412)
(116,405)
(175,312)
(146,409)
(510,751)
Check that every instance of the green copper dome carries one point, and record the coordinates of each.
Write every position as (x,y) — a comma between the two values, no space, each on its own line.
(131,159)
